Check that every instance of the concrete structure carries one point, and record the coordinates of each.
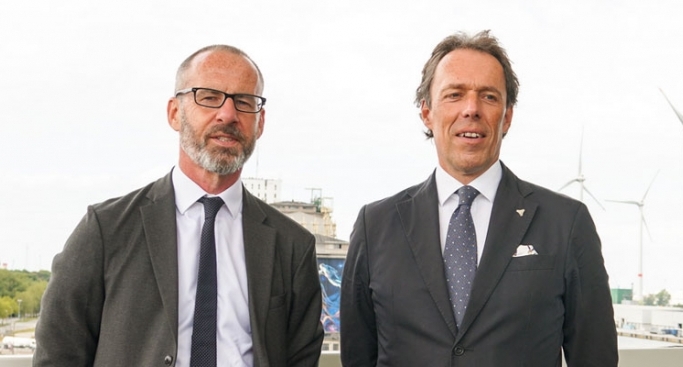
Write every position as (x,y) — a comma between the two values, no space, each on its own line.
(314,216)
(652,357)
(330,247)
(649,319)
(268,190)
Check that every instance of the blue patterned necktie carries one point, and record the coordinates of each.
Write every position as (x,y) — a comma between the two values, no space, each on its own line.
(203,353)
(460,254)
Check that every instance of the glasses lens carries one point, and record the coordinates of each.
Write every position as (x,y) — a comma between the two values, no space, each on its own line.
(215,99)
(247,103)
(209,98)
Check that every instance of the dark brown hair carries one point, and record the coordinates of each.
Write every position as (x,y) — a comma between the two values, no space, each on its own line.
(481,41)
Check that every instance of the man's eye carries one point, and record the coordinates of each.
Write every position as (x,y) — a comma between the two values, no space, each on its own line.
(245,101)
(207,96)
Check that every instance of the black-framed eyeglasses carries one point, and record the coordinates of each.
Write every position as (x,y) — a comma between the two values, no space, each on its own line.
(212,98)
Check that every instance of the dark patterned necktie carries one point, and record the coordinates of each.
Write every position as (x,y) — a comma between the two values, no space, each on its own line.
(204,328)
(460,253)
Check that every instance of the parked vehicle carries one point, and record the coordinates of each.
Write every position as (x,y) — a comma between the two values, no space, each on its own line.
(9,342)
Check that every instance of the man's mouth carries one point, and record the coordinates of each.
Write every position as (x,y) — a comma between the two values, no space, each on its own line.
(226,138)
(226,134)
(470,135)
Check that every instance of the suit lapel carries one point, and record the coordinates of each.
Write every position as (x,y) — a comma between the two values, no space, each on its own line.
(506,230)
(259,251)
(420,220)
(159,223)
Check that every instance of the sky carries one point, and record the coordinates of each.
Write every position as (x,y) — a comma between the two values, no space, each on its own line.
(85,87)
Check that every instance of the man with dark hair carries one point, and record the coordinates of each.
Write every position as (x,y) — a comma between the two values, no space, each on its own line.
(474,267)
(191,270)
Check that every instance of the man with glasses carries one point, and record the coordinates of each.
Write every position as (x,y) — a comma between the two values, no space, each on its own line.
(191,270)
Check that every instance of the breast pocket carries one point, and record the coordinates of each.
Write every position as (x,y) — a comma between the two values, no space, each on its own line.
(532,262)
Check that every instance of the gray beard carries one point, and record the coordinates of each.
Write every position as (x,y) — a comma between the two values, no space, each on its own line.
(222,161)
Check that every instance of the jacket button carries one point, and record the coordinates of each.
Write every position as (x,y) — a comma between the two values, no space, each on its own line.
(459,351)
(168,360)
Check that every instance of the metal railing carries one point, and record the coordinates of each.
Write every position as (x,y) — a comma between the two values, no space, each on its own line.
(659,357)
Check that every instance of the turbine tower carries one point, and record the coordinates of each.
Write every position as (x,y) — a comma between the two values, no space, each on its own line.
(580,178)
(643,223)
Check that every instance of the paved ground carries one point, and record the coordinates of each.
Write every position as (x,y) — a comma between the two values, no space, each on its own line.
(16,351)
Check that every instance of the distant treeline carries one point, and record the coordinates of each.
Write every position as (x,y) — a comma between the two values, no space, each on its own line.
(21,291)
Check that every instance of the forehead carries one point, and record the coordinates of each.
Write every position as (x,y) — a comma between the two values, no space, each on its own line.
(223,71)
(471,68)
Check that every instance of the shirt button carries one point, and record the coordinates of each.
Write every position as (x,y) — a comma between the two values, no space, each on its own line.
(459,351)
(168,360)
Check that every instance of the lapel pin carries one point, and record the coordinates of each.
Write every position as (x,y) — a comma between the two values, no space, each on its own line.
(520,212)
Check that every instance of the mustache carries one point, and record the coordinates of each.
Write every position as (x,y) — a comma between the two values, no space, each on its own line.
(228,129)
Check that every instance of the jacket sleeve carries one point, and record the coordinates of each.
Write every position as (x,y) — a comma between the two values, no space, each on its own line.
(71,308)
(305,331)
(590,337)
(358,332)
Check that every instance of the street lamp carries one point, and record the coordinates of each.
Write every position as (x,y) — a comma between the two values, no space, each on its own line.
(19,302)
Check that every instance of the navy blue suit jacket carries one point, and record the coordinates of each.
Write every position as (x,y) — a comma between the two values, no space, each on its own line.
(523,311)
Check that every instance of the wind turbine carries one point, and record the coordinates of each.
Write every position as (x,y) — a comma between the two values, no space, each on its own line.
(680,115)
(580,178)
(643,223)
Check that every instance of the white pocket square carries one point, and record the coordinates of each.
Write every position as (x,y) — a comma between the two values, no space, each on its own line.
(525,250)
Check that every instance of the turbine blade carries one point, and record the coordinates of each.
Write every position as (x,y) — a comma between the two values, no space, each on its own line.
(647,229)
(680,115)
(593,196)
(567,184)
(624,202)
(648,188)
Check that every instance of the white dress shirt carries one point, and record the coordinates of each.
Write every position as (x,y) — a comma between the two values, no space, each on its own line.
(233,332)
(486,184)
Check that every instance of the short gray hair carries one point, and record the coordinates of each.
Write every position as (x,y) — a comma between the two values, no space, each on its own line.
(185,65)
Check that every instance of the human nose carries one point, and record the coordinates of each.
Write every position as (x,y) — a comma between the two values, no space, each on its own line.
(471,109)
(227,113)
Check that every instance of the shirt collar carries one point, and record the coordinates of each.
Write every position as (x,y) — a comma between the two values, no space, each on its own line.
(486,184)
(187,192)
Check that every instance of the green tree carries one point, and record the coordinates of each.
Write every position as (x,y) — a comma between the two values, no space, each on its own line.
(42,275)
(22,285)
(662,298)
(7,308)
(649,300)
(12,282)
(30,298)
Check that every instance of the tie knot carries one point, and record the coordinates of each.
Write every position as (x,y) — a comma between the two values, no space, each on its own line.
(466,195)
(211,205)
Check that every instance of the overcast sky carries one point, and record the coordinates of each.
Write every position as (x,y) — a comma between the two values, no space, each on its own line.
(85,86)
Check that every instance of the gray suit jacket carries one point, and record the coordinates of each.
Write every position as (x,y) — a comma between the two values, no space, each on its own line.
(112,299)
(395,308)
